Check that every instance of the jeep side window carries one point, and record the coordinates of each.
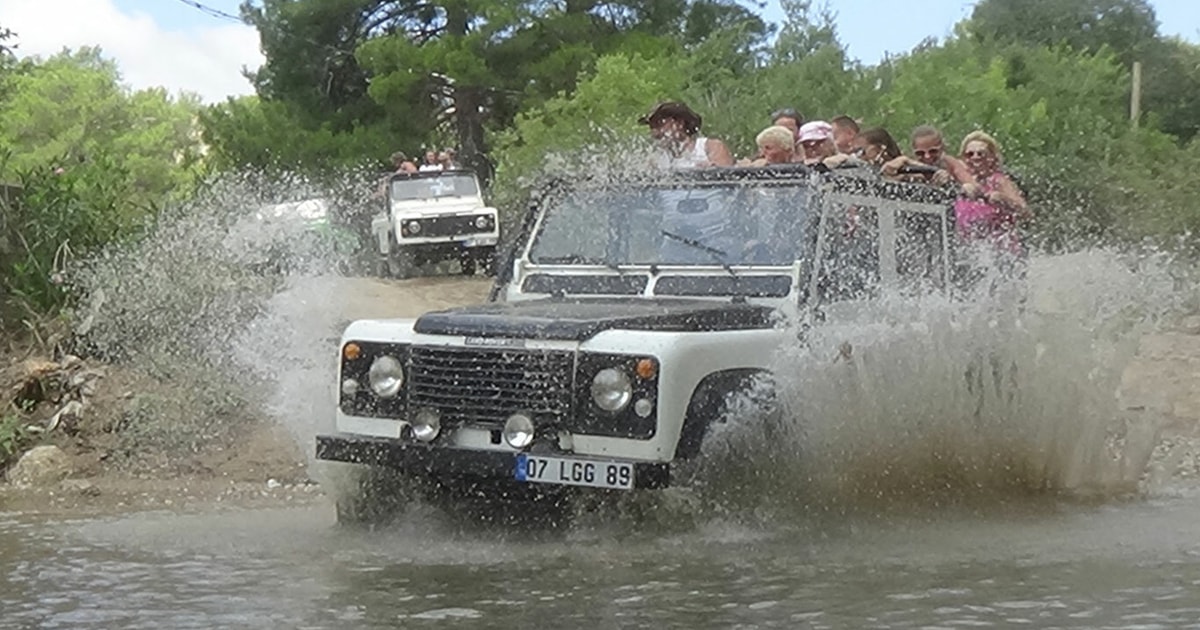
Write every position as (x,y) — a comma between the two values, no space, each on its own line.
(920,251)
(849,264)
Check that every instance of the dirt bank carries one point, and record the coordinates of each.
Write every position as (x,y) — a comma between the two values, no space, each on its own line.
(253,458)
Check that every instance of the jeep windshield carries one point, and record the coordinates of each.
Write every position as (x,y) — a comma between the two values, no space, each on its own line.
(432,187)
(694,223)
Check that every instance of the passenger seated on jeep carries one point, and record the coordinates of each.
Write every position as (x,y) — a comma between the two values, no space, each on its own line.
(930,150)
(788,118)
(872,149)
(876,147)
(676,130)
(994,213)
(816,141)
(401,163)
(845,129)
(776,145)
(431,162)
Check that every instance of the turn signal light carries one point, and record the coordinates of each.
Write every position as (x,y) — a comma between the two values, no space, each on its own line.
(646,368)
(351,351)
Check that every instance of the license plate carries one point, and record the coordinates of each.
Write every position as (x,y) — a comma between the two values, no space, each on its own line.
(574,472)
(478,241)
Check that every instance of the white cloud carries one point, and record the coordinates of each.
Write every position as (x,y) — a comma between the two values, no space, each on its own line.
(205,59)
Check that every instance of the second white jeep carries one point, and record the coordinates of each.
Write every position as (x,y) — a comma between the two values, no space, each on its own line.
(433,216)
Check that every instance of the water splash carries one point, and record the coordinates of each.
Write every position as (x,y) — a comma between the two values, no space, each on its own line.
(177,305)
(929,399)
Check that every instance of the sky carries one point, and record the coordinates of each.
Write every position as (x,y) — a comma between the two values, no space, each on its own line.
(173,44)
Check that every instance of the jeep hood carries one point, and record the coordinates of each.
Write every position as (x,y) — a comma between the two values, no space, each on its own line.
(446,205)
(580,319)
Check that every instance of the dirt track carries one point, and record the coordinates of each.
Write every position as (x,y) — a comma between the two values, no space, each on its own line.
(372,298)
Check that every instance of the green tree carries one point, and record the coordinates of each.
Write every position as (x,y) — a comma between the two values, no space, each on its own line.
(249,132)
(1128,28)
(418,73)
(598,118)
(95,160)
(72,107)
(310,64)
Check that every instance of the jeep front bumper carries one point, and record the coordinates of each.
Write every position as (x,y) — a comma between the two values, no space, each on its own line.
(444,461)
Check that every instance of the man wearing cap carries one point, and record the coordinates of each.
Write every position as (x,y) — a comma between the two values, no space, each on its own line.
(816,140)
(676,129)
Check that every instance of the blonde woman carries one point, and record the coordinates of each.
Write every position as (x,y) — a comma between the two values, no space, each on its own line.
(776,145)
(991,212)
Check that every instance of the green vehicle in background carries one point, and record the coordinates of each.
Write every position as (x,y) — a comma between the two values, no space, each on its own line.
(299,236)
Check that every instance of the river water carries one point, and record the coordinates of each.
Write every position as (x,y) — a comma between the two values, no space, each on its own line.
(1021,563)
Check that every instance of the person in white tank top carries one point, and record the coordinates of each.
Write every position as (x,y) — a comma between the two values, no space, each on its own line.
(676,129)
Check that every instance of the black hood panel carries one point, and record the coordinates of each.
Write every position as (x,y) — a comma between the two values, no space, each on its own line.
(580,319)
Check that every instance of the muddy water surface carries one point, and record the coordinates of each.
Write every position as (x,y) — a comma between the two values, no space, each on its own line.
(1033,565)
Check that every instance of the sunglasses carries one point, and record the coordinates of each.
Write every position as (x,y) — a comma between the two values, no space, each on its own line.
(972,154)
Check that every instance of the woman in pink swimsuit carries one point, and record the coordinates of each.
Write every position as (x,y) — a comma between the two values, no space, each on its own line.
(992,214)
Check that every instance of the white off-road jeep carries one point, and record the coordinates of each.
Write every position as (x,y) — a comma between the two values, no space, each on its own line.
(434,216)
(623,320)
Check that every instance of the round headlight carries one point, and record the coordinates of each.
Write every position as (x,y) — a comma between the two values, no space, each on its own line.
(426,425)
(483,221)
(414,227)
(349,387)
(611,390)
(518,430)
(386,376)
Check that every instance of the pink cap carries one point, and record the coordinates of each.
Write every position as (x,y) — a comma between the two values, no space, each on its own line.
(815,130)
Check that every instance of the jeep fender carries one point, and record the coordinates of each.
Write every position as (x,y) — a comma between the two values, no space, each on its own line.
(708,403)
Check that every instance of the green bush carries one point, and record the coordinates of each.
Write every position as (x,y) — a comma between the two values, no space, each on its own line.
(65,213)
(13,438)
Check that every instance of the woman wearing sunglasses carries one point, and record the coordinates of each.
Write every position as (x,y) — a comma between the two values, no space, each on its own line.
(992,213)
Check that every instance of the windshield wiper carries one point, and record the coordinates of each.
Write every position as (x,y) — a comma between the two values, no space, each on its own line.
(718,255)
(578,259)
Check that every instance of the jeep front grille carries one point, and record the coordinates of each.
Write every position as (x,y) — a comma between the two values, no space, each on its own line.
(450,226)
(479,385)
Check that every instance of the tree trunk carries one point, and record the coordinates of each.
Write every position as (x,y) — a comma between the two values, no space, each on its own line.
(467,101)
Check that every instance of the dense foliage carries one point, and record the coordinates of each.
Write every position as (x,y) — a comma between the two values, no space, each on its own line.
(522,86)
(94,159)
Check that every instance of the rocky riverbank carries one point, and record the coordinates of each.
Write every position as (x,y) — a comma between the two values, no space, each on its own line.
(68,433)
(80,434)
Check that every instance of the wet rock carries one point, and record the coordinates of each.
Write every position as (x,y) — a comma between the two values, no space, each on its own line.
(67,413)
(65,386)
(81,486)
(40,465)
